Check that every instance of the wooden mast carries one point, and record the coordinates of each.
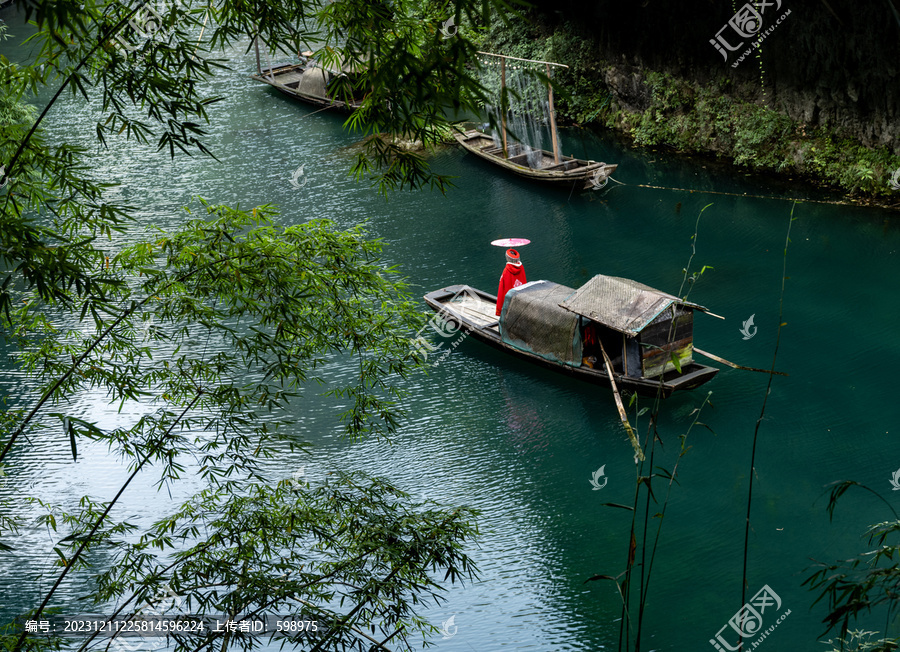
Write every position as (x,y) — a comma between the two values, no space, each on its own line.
(503,104)
(553,135)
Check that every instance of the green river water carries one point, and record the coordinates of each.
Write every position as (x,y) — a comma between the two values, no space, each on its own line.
(521,443)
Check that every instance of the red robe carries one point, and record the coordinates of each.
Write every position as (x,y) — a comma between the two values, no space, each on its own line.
(513,276)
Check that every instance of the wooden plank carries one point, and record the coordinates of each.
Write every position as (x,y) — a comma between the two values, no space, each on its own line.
(658,361)
(562,164)
(664,331)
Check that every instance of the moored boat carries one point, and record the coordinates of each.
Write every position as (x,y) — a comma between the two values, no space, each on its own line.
(537,165)
(646,335)
(307,82)
(530,162)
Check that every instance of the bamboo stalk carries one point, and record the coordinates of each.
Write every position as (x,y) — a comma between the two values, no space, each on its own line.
(256,47)
(735,365)
(553,135)
(503,104)
(619,405)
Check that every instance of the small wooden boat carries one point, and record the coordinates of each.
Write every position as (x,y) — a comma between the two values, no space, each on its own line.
(537,165)
(646,334)
(534,164)
(307,82)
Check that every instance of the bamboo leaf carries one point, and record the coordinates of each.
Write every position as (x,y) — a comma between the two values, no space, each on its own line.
(595,578)
(676,361)
(620,506)
(72,443)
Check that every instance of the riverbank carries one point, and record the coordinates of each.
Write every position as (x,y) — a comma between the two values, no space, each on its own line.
(740,120)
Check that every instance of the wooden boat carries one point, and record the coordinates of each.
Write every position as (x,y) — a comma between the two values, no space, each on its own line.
(564,172)
(307,82)
(536,165)
(647,334)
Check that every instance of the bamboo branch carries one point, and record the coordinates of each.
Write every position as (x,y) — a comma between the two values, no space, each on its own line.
(620,406)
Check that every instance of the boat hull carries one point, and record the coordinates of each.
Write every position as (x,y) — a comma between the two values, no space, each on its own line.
(568,172)
(285,78)
(480,323)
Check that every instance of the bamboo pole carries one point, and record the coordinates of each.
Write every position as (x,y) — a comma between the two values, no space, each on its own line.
(638,453)
(256,47)
(503,104)
(503,56)
(553,135)
(734,365)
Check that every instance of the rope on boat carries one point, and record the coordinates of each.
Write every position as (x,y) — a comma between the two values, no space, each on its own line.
(325,108)
(740,194)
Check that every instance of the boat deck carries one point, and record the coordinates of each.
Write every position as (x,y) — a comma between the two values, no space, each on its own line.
(288,77)
(519,154)
(537,165)
(477,309)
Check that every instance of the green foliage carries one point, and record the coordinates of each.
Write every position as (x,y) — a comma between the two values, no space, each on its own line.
(215,331)
(859,641)
(697,118)
(866,585)
(348,541)
(693,117)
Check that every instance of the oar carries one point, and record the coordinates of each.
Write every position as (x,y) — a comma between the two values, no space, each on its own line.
(622,414)
(737,366)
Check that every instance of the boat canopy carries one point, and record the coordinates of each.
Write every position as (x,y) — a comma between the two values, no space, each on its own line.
(532,321)
(314,81)
(620,303)
(317,77)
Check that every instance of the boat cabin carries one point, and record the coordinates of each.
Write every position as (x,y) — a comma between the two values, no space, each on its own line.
(312,82)
(643,331)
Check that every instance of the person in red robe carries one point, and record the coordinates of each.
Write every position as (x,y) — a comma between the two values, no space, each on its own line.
(513,276)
